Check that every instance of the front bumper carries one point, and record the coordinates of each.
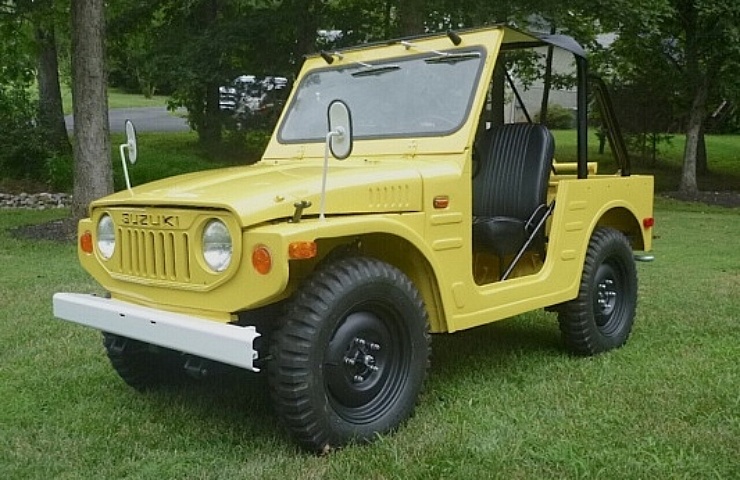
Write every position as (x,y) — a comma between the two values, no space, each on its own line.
(221,342)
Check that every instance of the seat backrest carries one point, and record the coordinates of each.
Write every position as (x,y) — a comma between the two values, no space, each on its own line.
(513,177)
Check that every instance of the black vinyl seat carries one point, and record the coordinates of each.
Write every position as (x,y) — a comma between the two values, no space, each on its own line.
(510,189)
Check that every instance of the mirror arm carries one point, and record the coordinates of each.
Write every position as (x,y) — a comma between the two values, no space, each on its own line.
(339,132)
(123,147)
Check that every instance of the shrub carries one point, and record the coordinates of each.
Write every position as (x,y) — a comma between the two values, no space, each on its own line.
(558,117)
(23,153)
(60,173)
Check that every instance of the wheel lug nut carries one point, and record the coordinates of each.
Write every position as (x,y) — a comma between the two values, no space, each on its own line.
(358,378)
(349,361)
(374,346)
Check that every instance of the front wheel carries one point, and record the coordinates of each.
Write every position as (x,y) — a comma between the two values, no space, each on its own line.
(602,315)
(141,365)
(352,354)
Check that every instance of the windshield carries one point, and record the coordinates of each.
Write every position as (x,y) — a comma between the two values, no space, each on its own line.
(421,95)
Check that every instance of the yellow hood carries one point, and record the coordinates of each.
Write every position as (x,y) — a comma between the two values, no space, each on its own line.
(267,191)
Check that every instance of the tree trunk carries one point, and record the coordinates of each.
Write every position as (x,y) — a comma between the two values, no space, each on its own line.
(307,27)
(411,17)
(93,173)
(693,133)
(498,102)
(547,82)
(387,16)
(702,167)
(51,112)
(210,132)
(209,129)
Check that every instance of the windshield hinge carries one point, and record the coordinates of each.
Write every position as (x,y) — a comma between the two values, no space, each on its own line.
(413,146)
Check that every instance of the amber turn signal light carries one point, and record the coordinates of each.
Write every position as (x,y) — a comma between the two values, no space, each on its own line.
(648,222)
(302,250)
(262,259)
(86,242)
(441,201)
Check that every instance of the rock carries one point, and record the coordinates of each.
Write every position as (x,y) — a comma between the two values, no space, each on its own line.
(39,201)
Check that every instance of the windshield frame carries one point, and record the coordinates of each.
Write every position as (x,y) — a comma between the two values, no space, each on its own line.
(349,67)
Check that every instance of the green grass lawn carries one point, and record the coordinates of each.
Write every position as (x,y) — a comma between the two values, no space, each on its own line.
(502,401)
(723,153)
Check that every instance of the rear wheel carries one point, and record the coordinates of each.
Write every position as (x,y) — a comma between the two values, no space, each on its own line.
(602,315)
(352,354)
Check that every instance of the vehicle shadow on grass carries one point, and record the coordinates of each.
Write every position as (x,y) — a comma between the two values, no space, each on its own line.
(237,403)
(534,337)
(233,402)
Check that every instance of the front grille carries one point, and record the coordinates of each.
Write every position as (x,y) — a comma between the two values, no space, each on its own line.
(161,246)
(155,255)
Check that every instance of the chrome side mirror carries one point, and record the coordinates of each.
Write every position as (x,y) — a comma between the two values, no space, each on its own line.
(340,130)
(338,141)
(131,142)
(130,145)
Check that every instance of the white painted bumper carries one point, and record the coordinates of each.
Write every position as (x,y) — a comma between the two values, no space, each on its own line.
(221,342)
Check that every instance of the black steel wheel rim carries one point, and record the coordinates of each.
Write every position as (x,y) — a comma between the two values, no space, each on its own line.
(609,297)
(366,363)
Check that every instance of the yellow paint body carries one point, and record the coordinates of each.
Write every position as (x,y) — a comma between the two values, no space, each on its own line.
(381,199)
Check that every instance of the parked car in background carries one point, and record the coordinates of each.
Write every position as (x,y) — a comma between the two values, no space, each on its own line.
(254,102)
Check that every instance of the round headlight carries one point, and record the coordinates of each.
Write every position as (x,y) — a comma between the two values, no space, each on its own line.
(216,246)
(106,236)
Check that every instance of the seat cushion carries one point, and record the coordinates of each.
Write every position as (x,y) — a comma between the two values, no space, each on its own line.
(511,186)
(499,235)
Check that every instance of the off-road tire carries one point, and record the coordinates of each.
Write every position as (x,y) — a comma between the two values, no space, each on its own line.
(601,317)
(352,354)
(141,365)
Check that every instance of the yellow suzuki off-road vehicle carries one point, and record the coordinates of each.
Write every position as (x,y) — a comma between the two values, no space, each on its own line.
(431,215)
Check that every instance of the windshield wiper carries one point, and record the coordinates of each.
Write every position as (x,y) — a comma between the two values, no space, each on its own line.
(366,71)
(379,70)
(453,57)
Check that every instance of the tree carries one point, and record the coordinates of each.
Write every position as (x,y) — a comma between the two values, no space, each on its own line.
(35,129)
(710,31)
(411,17)
(93,173)
(51,112)
(195,47)
(688,47)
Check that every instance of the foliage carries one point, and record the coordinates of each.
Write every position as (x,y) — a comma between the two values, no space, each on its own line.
(190,49)
(646,116)
(665,54)
(22,148)
(60,174)
(558,117)
(687,50)
(727,119)
(163,155)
